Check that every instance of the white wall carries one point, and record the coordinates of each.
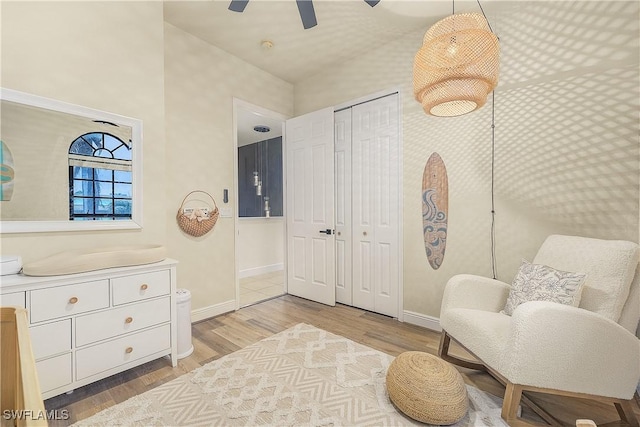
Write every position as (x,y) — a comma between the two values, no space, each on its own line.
(104,55)
(122,58)
(260,245)
(201,81)
(567,154)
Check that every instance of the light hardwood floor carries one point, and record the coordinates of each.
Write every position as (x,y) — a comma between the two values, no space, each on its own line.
(261,287)
(227,333)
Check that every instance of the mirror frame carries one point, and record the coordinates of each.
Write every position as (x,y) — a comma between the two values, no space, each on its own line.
(37,226)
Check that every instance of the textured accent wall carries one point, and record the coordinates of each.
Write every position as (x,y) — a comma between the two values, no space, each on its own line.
(104,55)
(201,81)
(122,58)
(567,148)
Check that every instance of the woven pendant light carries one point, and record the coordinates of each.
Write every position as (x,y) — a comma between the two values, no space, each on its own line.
(457,66)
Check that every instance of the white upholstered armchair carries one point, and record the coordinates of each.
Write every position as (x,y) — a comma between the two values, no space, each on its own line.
(590,351)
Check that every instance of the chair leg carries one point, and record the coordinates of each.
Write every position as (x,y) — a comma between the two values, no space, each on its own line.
(512,397)
(625,410)
(445,340)
(443,352)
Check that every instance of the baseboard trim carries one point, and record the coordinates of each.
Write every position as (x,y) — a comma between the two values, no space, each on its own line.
(260,270)
(212,311)
(423,320)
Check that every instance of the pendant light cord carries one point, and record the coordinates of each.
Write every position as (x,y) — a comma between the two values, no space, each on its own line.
(494,268)
(493,204)
(453,12)
(485,16)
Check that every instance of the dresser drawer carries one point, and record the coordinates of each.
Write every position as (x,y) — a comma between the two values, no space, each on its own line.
(111,354)
(68,300)
(54,372)
(140,286)
(94,327)
(51,338)
(14,299)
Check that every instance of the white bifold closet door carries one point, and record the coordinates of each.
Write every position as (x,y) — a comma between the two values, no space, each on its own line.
(368,205)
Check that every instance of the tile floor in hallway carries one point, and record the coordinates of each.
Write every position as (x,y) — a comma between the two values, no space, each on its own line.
(261,287)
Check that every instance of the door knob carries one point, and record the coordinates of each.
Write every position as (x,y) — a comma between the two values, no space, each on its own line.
(364,233)
(327,231)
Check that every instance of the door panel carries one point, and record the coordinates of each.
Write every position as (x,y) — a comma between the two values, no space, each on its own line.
(384,253)
(362,166)
(319,178)
(299,258)
(375,205)
(298,190)
(310,206)
(384,182)
(319,261)
(364,273)
(343,206)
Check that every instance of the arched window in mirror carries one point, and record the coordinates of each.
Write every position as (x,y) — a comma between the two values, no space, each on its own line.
(100,178)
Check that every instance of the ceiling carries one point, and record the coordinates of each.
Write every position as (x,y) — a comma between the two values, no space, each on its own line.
(346,28)
(247,120)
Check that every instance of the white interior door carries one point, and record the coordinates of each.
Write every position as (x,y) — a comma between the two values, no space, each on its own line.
(343,206)
(310,206)
(375,208)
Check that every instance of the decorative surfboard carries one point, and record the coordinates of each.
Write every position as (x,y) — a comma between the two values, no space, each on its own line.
(435,209)
(6,172)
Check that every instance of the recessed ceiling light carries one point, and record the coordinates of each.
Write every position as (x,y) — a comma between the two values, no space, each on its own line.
(261,128)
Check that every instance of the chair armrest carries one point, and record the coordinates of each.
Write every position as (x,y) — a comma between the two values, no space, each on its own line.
(567,348)
(475,292)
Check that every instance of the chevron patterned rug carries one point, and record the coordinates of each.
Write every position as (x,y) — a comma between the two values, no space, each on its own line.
(301,376)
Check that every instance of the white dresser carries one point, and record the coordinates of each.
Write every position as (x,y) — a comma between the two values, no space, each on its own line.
(88,326)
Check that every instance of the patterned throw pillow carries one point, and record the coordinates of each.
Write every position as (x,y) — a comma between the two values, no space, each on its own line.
(536,282)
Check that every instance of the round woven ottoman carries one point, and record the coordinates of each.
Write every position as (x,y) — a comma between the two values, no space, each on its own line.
(426,388)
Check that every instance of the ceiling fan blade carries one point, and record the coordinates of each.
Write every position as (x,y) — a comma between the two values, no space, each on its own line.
(307,13)
(372,2)
(238,5)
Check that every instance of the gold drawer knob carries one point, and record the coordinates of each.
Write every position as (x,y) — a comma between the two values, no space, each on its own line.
(128,320)
(128,350)
(73,300)
(144,287)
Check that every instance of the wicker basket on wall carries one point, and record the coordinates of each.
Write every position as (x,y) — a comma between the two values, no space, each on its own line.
(197,226)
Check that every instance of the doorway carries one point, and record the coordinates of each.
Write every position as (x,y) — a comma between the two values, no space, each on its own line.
(259,190)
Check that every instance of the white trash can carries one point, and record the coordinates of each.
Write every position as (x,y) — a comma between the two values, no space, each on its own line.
(183,303)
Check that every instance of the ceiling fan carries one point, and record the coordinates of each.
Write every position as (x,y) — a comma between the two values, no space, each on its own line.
(305,7)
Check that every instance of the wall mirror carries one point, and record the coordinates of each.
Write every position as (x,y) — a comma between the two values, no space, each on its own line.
(66,167)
